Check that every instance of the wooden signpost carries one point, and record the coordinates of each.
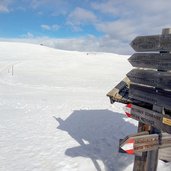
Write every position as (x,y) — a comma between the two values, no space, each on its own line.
(149,85)
(149,92)
(160,61)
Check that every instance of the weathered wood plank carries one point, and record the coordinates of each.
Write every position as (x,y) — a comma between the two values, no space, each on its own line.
(150,117)
(152,43)
(141,160)
(151,78)
(135,144)
(160,61)
(150,95)
(120,92)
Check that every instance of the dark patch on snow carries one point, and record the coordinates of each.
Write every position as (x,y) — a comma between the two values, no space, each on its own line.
(98,133)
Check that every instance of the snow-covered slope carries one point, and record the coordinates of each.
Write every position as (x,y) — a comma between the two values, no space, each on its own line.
(54,113)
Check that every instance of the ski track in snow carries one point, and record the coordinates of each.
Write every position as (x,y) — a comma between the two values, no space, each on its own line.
(54,113)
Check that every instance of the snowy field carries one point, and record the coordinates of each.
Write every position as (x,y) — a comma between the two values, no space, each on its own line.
(54,113)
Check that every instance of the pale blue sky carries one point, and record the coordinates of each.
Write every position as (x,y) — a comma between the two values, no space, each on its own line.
(85,25)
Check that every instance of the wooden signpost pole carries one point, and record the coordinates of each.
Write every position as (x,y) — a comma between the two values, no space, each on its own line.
(140,160)
(152,156)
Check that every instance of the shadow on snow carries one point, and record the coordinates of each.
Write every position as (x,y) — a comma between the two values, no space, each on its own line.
(98,133)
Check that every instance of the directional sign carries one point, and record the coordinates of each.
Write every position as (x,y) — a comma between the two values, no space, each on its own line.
(135,144)
(149,117)
(160,61)
(127,144)
(150,78)
(152,43)
(150,95)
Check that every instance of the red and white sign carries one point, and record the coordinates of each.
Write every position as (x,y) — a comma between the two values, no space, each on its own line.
(129,146)
(144,141)
(127,110)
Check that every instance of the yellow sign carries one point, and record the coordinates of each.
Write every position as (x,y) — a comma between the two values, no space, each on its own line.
(167,121)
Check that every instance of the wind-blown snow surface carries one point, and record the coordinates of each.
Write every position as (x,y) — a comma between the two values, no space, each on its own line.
(54,113)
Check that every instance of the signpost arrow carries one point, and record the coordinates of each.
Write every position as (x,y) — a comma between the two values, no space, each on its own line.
(160,61)
(150,78)
(128,147)
(127,144)
(150,95)
(142,143)
(149,117)
(152,43)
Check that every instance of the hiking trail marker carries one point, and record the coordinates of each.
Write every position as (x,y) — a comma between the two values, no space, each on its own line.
(141,143)
(149,117)
(147,94)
